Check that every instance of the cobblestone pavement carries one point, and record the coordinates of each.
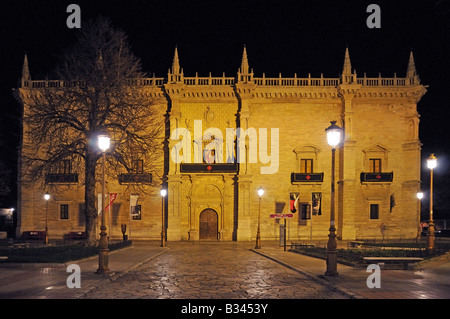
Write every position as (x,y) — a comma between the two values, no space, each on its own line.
(204,270)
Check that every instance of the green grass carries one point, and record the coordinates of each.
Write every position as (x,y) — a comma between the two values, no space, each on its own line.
(55,254)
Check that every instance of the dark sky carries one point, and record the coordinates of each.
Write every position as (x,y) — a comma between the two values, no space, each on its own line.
(284,37)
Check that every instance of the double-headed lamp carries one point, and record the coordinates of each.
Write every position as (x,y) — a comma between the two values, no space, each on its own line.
(334,134)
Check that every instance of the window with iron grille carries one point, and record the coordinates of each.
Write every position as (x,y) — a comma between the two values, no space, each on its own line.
(66,167)
(64,211)
(138,166)
(374,211)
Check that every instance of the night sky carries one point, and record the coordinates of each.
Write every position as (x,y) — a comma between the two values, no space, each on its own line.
(284,37)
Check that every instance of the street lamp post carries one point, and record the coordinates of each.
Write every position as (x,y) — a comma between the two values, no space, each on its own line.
(46,197)
(431,163)
(258,233)
(334,134)
(163,228)
(103,144)
(419,197)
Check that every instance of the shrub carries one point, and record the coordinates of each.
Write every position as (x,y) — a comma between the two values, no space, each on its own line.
(56,254)
(354,256)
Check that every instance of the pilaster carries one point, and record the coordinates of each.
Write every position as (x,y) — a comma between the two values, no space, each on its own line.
(347,179)
(174,207)
(244,202)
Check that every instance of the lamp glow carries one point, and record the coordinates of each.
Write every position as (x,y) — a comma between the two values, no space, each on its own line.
(163,192)
(334,134)
(260,192)
(47,196)
(419,195)
(432,161)
(104,142)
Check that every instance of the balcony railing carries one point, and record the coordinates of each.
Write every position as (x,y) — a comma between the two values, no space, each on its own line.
(306,177)
(230,81)
(208,168)
(132,178)
(72,84)
(381,177)
(61,178)
(209,80)
(296,81)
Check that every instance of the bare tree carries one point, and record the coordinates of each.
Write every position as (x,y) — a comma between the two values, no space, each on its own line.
(5,177)
(96,91)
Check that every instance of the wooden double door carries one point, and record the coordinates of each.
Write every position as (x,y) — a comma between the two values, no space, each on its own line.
(208,225)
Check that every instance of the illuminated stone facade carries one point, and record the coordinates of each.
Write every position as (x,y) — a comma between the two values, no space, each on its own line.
(377,165)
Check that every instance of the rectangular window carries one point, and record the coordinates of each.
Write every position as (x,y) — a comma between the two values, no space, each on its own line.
(209,150)
(136,212)
(375,165)
(305,211)
(65,167)
(306,165)
(138,166)
(374,211)
(279,207)
(64,211)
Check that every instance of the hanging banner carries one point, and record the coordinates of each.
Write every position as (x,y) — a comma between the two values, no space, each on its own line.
(99,204)
(112,198)
(316,203)
(293,202)
(133,203)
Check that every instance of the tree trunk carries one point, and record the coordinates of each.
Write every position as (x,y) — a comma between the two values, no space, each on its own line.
(90,197)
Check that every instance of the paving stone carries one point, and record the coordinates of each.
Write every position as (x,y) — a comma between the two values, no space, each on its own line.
(221,271)
(214,271)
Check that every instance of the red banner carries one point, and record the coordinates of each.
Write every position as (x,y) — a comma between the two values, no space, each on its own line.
(112,198)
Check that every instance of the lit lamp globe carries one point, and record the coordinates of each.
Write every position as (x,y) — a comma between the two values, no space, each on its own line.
(47,196)
(260,192)
(419,195)
(163,192)
(432,161)
(334,133)
(104,142)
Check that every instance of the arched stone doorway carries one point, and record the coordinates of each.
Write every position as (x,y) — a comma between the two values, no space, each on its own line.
(208,225)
